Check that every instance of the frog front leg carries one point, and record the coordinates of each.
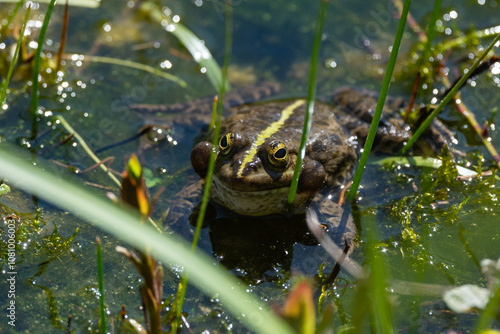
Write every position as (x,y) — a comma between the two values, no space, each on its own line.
(336,219)
(183,212)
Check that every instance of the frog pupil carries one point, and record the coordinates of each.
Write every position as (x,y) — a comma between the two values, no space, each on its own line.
(223,142)
(280,154)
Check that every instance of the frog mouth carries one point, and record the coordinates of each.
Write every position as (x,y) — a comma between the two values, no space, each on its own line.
(256,202)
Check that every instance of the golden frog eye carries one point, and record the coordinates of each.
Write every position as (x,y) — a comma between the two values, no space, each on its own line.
(226,142)
(278,154)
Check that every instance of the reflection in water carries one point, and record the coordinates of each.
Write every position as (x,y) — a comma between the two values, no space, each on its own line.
(255,246)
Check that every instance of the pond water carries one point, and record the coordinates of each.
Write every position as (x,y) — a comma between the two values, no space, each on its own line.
(432,229)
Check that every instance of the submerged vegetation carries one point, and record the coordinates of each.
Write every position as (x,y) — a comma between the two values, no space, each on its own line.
(428,234)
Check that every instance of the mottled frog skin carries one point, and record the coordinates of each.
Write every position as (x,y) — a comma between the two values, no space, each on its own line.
(257,154)
(258,150)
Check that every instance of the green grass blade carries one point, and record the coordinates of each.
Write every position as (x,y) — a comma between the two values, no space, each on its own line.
(87,149)
(467,38)
(447,98)
(13,62)
(131,64)
(125,224)
(75,3)
(380,308)
(36,66)
(202,56)
(311,93)
(215,140)
(100,276)
(181,293)
(196,48)
(380,103)
(431,30)
(91,154)
(11,16)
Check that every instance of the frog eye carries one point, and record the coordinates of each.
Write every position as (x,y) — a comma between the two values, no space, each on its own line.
(226,142)
(278,154)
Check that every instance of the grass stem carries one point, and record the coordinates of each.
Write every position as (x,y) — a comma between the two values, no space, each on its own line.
(431,30)
(448,97)
(64,35)
(311,93)
(36,68)
(467,39)
(216,131)
(125,224)
(380,308)
(11,17)
(91,154)
(131,64)
(13,62)
(471,118)
(100,274)
(193,44)
(380,103)
(87,149)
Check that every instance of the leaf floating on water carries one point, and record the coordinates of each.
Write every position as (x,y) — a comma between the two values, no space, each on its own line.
(466,298)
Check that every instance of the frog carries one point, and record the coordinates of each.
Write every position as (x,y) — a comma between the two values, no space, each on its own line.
(258,147)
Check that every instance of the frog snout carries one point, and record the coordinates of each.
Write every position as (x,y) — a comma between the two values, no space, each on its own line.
(200,157)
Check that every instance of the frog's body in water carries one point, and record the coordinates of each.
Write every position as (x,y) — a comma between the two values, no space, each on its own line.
(258,149)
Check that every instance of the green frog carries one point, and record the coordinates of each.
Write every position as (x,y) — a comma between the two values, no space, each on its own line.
(258,147)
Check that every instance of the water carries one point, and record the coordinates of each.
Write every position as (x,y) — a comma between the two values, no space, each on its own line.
(272,41)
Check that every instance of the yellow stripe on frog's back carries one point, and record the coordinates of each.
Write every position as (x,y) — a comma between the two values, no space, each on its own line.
(268,132)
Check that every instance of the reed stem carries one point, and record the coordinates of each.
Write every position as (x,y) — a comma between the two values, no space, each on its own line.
(36,68)
(100,275)
(311,93)
(13,62)
(208,180)
(448,97)
(380,103)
